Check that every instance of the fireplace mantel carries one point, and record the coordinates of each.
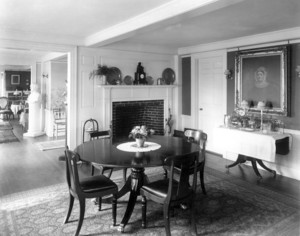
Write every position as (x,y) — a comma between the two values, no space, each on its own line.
(117,93)
(137,86)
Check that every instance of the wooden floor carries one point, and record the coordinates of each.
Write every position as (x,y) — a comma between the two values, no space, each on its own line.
(23,167)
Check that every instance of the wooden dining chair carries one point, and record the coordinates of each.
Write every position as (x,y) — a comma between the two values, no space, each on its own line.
(177,134)
(198,137)
(5,110)
(59,121)
(98,135)
(172,192)
(91,126)
(89,187)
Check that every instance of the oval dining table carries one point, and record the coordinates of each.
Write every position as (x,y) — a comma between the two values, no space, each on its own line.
(106,152)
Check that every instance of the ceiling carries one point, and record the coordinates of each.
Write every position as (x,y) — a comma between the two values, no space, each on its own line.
(139,25)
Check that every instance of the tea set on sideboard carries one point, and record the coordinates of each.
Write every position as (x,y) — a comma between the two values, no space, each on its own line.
(244,120)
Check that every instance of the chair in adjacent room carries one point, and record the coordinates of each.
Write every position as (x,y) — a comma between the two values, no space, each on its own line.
(89,187)
(59,121)
(5,111)
(171,192)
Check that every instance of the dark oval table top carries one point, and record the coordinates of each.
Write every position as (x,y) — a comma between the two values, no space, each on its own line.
(105,152)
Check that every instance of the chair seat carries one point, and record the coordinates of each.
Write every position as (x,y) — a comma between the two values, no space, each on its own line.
(97,183)
(60,122)
(5,111)
(89,187)
(177,168)
(159,189)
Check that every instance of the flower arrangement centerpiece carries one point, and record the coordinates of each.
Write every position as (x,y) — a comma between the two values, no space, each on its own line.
(140,134)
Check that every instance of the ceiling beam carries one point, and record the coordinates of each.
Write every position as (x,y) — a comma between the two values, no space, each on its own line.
(169,13)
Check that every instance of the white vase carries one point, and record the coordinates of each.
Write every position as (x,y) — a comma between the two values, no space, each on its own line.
(140,142)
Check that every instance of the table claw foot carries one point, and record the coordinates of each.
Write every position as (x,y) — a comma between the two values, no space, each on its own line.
(259,178)
(121,228)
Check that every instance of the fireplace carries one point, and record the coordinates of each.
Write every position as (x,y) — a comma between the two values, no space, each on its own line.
(127,114)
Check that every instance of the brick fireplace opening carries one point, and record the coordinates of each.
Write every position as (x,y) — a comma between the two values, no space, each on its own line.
(127,114)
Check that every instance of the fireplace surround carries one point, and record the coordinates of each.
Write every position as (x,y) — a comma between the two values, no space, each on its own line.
(157,101)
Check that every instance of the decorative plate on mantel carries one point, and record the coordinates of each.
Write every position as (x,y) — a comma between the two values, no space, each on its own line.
(128,80)
(114,76)
(168,75)
(149,80)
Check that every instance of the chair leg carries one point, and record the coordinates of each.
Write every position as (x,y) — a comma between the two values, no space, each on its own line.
(93,170)
(71,202)
(81,215)
(124,174)
(110,173)
(144,210)
(114,210)
(101,170)
(202,178)
(193,216)
(99,204)
(165,173)
(167,219)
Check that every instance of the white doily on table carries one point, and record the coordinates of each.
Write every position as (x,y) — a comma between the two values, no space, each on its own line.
(132,147)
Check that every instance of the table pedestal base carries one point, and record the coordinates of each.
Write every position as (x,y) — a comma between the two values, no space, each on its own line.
(243,159)
(133,184)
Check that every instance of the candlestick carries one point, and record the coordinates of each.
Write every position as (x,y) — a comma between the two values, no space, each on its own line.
(261,119)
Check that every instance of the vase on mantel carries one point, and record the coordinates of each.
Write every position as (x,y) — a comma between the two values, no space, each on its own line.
(140,142)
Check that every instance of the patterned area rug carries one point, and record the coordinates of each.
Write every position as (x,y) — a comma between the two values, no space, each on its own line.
(44,146)
(4,125)
(6,133)
(229,208)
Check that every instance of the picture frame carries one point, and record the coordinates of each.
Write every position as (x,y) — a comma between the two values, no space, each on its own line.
(263,75)
(15,79)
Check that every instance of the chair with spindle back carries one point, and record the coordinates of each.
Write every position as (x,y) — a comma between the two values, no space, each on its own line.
(59,121)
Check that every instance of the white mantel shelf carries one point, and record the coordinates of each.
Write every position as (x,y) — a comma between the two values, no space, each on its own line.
(137,86)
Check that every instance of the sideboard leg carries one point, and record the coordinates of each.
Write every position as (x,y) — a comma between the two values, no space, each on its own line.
(239,160)
(266,168)
(253,161)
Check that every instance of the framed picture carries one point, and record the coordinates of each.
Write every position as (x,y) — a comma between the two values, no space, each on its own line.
(15,79)
(262,75)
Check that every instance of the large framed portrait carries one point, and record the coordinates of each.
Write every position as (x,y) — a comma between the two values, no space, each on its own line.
(15,79)
(262,75)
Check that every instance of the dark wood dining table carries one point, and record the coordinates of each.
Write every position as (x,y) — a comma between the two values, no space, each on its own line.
(106,153)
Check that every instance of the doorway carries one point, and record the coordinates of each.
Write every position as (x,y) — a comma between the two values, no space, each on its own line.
(211,85)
